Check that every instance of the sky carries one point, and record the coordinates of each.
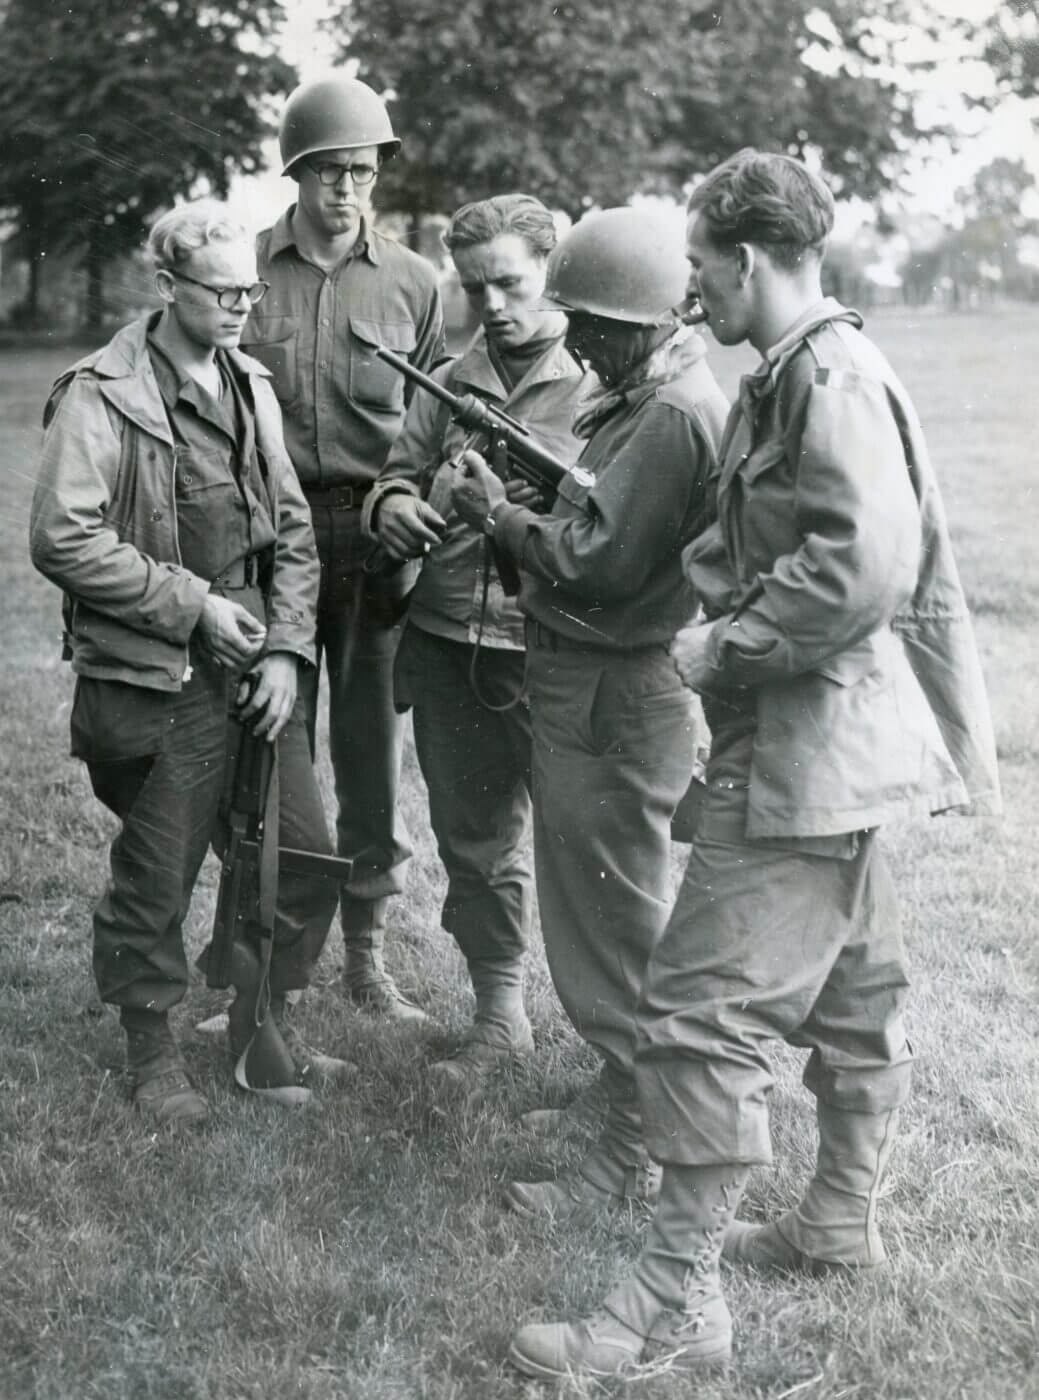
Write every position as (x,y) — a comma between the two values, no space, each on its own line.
(932,183)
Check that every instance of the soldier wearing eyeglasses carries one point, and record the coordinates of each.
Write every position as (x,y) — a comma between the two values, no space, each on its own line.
(169,513)
(338,290)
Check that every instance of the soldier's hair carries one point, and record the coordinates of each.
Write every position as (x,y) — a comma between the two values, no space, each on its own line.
(184,229)
(771,200)
(519,214)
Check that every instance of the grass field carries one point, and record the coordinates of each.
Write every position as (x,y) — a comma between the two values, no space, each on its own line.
(356,1251)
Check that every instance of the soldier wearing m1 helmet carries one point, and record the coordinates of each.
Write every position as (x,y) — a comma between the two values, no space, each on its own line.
(603,592)
(339,289)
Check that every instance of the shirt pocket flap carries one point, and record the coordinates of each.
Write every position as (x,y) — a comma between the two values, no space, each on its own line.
(398,336)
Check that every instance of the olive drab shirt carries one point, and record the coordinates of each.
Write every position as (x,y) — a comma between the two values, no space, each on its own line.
(222,516)
(317,331)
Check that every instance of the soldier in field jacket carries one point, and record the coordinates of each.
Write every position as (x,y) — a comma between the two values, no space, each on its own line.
(843,690)
(169,513)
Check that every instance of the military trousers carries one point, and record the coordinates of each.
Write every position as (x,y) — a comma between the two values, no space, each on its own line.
(476,764)
(614,736)
(157,760)
(766,944)
(358,644)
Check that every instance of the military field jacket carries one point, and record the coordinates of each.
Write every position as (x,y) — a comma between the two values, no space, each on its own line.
(605,567)
(841,609)
(448,597)
(103,525)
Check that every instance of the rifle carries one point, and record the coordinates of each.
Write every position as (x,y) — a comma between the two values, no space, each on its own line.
(240,949)
(251,861)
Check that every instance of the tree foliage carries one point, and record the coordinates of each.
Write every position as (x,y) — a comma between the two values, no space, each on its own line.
(111,108)
(1013,48)
(592,104)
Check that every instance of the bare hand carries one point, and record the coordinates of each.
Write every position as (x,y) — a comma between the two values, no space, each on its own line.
(408,527)
(475,490)
(230,632)
(274,696)
(689,655)
(522,493)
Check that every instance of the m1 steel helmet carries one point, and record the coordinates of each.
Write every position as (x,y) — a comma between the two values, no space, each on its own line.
(330,115)
(627,264)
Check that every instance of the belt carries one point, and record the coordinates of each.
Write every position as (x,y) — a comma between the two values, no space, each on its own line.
(338,497)
(242,573)
(538,635)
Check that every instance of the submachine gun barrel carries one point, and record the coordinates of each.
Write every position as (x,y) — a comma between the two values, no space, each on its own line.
(506,436)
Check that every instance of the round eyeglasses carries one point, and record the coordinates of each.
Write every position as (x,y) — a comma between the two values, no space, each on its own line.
(227,298)
(329,173)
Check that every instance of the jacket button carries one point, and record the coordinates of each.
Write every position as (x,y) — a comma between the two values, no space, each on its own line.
(188,478)
(156,515)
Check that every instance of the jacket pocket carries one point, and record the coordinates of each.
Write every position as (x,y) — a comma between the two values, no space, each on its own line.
(274,345)
(374,383)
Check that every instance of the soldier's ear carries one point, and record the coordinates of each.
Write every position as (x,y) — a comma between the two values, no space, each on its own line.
(165,285)
(746,256)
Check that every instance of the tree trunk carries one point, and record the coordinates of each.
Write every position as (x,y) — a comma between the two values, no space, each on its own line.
(95,265)
(32,298)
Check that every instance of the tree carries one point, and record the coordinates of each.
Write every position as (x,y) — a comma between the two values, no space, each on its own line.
(590,104)
(982,257)
(111,108)
(1013,47)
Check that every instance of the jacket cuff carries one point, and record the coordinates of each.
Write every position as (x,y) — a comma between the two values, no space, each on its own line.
(511,526)
(375,497)
(291,632)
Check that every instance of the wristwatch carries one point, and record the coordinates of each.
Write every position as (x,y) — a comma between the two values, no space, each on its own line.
(489,524)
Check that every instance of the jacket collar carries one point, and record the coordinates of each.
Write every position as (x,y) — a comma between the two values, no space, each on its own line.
(127,380)
(283,237)
(476,371)
(766,377)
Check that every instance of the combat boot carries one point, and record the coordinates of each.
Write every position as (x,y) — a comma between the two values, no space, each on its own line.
(616,1172)
(583,1114)
(669,1313)
(835,1224)
(365,980)
(159,1085)
(601,1182)
(500,1033)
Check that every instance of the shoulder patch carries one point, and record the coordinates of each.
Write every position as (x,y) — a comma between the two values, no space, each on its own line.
(837,378)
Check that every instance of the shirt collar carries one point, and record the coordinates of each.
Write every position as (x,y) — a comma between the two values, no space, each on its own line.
(282,237)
